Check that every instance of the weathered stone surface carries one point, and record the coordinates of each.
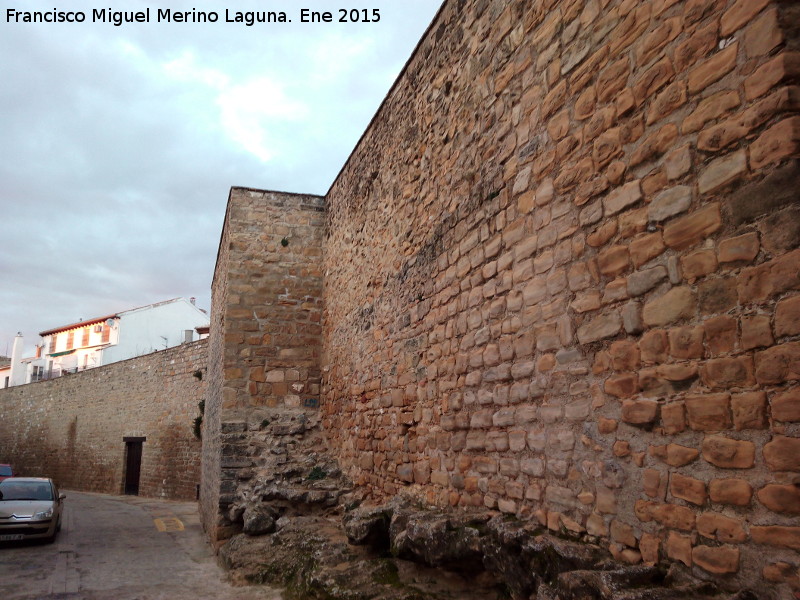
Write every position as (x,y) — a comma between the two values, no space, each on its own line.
(769,279)
(673,516)
(259,519)
(622,197)
(728,453)
(712,69)
(641,282)
(786,405)
(679,547)
(739,14)
(709,109)
(783,453)
(764,196)
(698,263)
(778,364)
(687,488)
(686,342)
(749,410)
(709,412)
(781,498)
(718,560)
(673,417)
(639,412)
(722,171)
(741,248)
(726,373)
(730,491)
(787,317)
(670,203)
(786,537)
(677,304)
(756,332)
(780,141)
(782,572)
(368,526)
(724,529)
(600,327)
(674,454)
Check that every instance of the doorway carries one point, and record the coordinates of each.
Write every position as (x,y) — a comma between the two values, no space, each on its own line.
(133,464)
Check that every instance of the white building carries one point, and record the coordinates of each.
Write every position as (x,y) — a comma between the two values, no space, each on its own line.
(110,338)
(5,372)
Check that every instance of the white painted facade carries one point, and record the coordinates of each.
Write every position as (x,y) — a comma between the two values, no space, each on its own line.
(5,375)
(108,339)
(154,327)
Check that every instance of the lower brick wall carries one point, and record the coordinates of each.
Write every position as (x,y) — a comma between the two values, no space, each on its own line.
(73,428)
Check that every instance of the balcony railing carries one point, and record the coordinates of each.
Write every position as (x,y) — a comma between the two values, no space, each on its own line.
(56,373)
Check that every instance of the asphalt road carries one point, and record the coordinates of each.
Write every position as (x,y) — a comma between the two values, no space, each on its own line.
(121,548)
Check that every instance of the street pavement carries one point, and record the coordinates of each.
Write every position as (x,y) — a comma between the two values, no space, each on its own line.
(121,548)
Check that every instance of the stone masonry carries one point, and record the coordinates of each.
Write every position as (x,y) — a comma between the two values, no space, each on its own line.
(264,355)
(73,428)
(561,279)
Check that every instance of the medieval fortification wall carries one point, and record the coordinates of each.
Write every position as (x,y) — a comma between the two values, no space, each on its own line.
(73,428)
(561,278)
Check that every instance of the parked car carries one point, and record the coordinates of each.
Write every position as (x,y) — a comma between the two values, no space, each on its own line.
(30,508)
(6,471)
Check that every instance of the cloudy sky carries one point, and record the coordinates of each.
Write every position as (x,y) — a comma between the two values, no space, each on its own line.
(118,145)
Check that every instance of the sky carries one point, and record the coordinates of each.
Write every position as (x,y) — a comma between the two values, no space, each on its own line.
(119,144)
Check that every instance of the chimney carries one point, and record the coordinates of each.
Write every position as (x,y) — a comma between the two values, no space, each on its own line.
(17,376)
(192,300)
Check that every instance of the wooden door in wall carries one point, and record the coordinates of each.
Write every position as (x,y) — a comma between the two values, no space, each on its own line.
(133,464)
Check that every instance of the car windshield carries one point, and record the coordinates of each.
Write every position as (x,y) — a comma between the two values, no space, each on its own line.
(5,471)
(25,490)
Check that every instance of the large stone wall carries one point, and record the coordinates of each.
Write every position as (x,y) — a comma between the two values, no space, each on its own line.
(265,342)
(73,428)
(562,278)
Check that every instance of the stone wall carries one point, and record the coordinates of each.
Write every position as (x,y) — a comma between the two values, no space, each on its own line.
(562,278)
(73,428)
(265,342)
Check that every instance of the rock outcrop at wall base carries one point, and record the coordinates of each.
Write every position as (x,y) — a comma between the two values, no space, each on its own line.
(312,559)
(289,475)
(404,552)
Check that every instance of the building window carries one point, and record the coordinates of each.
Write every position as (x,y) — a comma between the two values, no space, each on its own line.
(70,339)
(85,337)
(53,339)
(106,334)
(37,374)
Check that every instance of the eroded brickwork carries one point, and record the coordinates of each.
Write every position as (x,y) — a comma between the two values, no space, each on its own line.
(562,272)
(265,343)
(73,428)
